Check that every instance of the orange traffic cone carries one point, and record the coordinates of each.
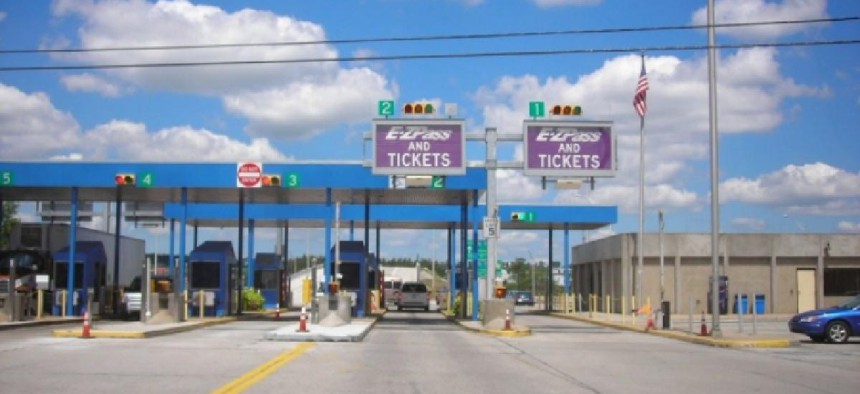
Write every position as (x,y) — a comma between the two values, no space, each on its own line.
(508,320)
(704,330)
(85,331)
(303,327)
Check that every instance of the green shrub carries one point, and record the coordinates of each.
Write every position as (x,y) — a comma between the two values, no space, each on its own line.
(252,300)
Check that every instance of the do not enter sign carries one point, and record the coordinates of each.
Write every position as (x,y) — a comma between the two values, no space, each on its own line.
(249,174)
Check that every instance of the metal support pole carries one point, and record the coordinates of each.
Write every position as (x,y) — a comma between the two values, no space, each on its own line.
(241,268)
(116,251)
(327,266)
(475,279)
(715,173)
(181,286)
(492,212)
(567,278)
(464,259)
(361,298)
(73,240)
(549,275)
(252,265)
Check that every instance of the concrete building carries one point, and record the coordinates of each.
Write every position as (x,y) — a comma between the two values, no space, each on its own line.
(791,272)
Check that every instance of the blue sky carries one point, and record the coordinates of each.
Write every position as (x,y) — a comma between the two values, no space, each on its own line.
(787,116)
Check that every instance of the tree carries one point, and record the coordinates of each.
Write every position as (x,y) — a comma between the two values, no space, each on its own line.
(10,209)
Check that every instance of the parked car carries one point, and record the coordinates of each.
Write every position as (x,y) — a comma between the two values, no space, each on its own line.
(834,324)
(413,295)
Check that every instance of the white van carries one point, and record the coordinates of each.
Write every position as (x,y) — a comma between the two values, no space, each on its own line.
(391,287)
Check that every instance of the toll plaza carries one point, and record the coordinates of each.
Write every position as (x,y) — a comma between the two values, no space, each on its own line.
(192,195)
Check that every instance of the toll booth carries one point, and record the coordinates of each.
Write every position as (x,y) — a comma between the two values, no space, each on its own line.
(210,268)
(90,276)
(352,257)
(270,278)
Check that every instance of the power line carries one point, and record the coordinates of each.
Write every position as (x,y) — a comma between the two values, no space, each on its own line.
(435,37)
(465,55)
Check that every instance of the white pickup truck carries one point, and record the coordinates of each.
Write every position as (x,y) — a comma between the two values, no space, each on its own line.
(132,299)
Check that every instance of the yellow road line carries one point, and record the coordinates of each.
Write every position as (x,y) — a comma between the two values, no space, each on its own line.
(250,378)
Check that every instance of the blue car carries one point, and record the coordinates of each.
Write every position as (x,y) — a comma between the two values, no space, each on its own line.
(833,324)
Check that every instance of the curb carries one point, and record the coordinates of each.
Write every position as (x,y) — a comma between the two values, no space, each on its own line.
(682,336)
(140,334)
(516,332)
(38,323)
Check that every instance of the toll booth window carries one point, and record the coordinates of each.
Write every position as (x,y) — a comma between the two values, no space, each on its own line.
(349,272)
(63,275)
(205,275)
(267,279)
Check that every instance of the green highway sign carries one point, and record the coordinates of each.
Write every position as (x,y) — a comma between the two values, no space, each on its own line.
(7,178)
(537,109)
(145,179)
(294,180)
(438,182)
(385,108)
(523,217)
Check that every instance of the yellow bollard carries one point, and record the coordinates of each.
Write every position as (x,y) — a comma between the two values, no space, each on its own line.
(201,304)
(63,303)
(39,303)
(623,310)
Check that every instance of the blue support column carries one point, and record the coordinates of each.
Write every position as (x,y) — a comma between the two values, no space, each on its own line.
(251,262)
(171,264)
(550,279)
(361,298)
(73,239)
(183,224)
(352,230)
(327,267)
(463,286)
(475,280)
(567,278)
(451,267)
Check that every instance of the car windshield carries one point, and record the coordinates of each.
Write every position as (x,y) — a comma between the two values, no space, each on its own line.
(850,304)
(414,288)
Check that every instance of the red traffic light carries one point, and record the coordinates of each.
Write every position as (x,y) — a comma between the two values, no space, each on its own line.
(125,180)
(419,109)
(271,180)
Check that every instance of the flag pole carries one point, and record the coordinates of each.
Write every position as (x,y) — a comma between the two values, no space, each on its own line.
(641,238)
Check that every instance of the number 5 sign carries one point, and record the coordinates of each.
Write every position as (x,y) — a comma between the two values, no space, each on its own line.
(6,178)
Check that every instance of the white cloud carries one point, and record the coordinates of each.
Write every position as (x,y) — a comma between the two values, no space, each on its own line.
(90,83)
(849,227)
(302,109)
(280,100)
(512,186)
(2,16)
(564,3)
(741,11)
(627,197)
(31,127)
(749,223)
(171,144)
(811,188)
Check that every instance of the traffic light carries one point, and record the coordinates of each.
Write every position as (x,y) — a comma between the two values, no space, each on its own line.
(419,109)
(271,180)
(125,180)
(567,110)
(518,216)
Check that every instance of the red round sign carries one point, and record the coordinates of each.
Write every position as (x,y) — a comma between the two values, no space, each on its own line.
(249,174)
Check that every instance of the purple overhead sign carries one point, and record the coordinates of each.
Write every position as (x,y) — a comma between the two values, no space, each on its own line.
(569,149)
(419,147)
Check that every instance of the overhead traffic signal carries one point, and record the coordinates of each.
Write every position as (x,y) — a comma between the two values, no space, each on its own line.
(567,110)
(419,109)
(125,180)
(271,180)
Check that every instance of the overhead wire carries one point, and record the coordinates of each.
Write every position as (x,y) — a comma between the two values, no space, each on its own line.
(651,49)
(433,37)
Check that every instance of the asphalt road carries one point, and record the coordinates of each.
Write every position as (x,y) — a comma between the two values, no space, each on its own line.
(418,352)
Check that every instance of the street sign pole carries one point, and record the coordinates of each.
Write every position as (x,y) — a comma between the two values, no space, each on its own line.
(492,211)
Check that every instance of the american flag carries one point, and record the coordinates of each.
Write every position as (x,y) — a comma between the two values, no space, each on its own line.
(639,103)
